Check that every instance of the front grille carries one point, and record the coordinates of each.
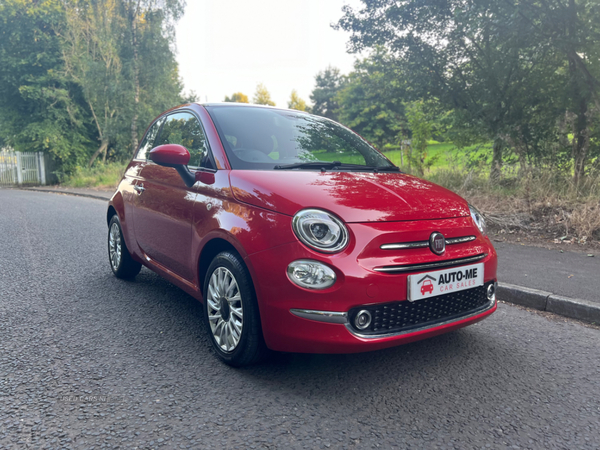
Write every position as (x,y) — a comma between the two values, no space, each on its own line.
(404,315)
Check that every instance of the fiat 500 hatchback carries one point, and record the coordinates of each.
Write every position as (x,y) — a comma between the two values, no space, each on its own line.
(296,235)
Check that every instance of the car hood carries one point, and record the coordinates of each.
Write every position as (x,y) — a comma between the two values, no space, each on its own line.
(353,196)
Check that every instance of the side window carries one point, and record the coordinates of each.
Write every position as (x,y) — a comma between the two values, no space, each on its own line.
(148,142)
(184,129)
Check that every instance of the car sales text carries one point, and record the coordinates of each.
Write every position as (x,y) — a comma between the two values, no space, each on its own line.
(457,280)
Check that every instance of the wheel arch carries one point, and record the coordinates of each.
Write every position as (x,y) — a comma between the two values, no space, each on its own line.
(109,213)
(211,249)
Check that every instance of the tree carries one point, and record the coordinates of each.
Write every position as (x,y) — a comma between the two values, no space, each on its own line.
(262,96)
(478,58)
(571,28)
(421,130)
(160,84)
(71,82)
(296,102)
(328,83)
(121,84)
(41,109)
(91,55)
(237,97)
(137,12)
(371,100)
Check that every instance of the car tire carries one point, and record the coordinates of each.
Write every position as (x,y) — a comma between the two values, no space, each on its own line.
(231,312)
(119,258)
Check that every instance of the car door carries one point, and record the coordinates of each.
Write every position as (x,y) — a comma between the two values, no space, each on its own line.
(163,206)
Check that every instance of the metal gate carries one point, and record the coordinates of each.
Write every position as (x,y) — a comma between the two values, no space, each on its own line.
(22,168)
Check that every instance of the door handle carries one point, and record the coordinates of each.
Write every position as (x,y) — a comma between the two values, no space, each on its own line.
(139,189)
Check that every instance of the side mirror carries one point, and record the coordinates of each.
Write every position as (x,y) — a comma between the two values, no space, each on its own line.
(170,155)
(176,156)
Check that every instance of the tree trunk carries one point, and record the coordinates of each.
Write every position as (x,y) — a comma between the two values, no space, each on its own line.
(580,98)
(103,148)
(496,169)
(402,156)
(580,142)
(136,77)
(521,151)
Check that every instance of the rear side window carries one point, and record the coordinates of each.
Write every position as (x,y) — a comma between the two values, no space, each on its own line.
(148,141)
(184,129)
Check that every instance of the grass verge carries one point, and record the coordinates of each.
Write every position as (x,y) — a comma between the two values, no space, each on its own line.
(103,175)
(540,202)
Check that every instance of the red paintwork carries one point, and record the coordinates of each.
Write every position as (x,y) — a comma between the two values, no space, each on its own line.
(353,196)
(171,154)
(169,225)
(205,177)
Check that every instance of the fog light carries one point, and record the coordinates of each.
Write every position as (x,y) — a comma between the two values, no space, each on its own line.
(362,320)
(491,292)
(311,274)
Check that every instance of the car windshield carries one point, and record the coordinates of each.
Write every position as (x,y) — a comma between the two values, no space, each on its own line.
(258,138)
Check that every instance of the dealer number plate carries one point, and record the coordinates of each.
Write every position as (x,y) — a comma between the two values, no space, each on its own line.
(440,282)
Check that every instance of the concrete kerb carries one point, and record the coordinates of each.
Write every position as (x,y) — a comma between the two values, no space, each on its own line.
(547,301)
(78,194)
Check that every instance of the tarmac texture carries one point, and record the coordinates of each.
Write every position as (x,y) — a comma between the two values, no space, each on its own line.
(138,352)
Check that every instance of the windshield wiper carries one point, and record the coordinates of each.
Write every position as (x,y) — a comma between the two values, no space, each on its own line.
(365,167)
(388,169)
(310,165)
(334,165)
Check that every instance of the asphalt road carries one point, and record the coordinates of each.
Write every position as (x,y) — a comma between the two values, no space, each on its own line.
(68,327)
(570,274)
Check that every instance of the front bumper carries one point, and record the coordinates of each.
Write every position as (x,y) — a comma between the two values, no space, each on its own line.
(305,335)
(304,321)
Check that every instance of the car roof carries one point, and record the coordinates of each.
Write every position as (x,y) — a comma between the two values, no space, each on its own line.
(247,105)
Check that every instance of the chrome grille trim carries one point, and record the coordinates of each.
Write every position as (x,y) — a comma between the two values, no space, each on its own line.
(405,245)
(433,265)
(459,240)
(423,244)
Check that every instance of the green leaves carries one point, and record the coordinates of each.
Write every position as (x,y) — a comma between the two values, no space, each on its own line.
(38,103)
(66,74)
(328,83)
(370,100)
(509,71)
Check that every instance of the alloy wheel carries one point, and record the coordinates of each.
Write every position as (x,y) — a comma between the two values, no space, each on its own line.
(114,246)
(225,311)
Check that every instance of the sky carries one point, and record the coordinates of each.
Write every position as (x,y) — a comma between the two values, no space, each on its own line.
(227,46)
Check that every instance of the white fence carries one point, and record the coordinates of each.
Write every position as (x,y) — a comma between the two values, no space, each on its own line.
(22,168)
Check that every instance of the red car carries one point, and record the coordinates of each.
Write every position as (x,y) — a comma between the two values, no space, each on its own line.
(295,234)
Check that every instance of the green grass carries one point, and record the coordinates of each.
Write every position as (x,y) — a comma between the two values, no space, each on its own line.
(105,175)
(445,155)
(441,155)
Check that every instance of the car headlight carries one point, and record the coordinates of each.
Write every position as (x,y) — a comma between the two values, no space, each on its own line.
(311,274)
(478,219)
(320,230)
